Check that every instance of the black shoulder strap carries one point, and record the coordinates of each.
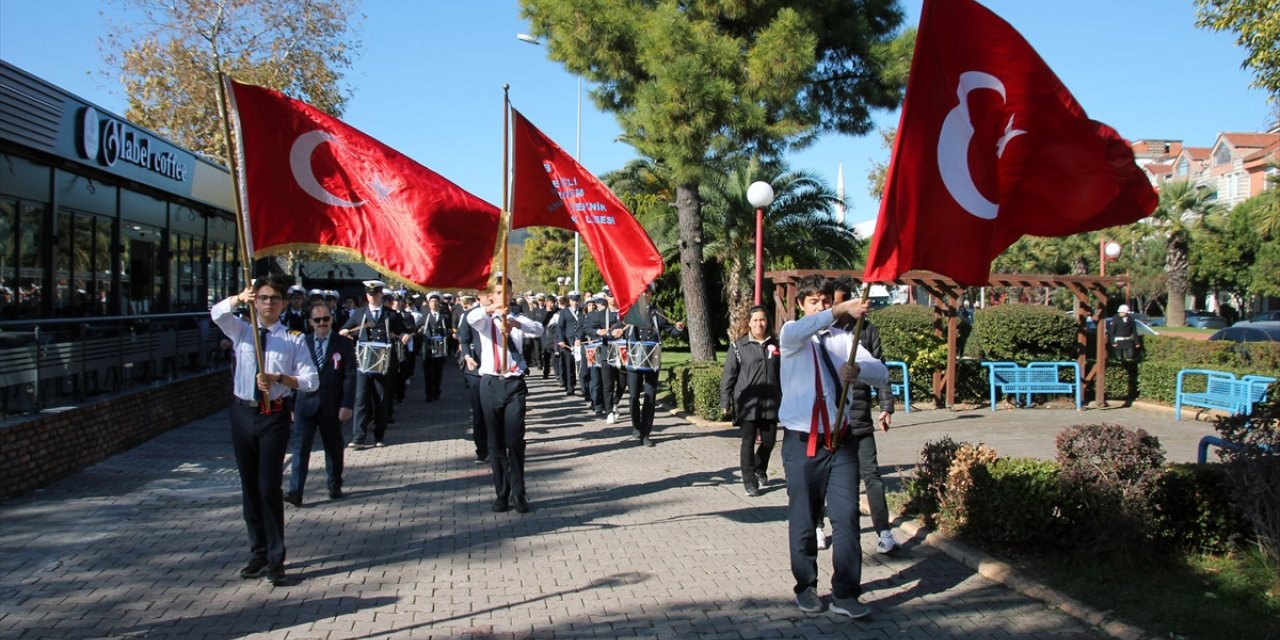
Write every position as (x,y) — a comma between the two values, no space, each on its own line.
(826,360)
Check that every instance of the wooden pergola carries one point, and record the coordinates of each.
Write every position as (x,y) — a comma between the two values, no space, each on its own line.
(1090,291)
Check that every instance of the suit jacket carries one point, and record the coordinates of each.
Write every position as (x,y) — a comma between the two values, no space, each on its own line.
(388,319)
(567,326)
(468,345)
(337,370)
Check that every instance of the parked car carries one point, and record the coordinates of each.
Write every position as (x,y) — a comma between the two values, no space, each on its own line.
(1157,321)
(1205,320)
(1253,333)
(1271,317)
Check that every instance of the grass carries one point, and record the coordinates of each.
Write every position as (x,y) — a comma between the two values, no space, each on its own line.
(1208,597)
(1186,332)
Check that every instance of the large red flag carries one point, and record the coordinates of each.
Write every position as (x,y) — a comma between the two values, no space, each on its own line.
(553,190)
(311,181)
(992,146)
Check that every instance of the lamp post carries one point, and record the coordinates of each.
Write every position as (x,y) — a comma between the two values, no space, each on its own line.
(760,195)
(562,282)
(1106,251)
(577,155)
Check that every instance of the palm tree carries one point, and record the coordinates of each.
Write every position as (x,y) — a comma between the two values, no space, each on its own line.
(1182,207)
(800,229)
(1269,212)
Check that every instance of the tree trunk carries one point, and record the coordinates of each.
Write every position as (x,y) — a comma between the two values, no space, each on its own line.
(1176,266)
(736,296)
(702,345)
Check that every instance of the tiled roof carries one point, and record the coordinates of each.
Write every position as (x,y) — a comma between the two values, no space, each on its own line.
(1158,169)
(1268,150)
(1250,140)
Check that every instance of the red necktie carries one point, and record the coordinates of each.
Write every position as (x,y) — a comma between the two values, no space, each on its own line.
(819,409)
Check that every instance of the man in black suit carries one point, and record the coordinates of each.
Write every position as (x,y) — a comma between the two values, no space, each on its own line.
(373,323)
(325,407)
(469,362)
(566,342)
(435,333)
(294,317)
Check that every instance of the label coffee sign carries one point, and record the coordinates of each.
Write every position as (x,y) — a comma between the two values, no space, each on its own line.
(109,141)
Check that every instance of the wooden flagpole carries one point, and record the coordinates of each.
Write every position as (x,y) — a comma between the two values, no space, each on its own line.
(853,353)
(246,260)
(505,229)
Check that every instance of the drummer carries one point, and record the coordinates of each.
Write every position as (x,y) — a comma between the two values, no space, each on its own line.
(374,327)
(435,331)
(597,328)
(645,382)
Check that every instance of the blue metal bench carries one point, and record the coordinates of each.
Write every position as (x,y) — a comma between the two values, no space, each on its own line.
(899,390)
(1222,391)
(1012,379)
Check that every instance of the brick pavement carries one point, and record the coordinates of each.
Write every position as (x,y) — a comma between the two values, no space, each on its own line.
(623,541)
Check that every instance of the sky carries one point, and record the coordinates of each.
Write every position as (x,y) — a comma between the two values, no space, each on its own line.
(428,81)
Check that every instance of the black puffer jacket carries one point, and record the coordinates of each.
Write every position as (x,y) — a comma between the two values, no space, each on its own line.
(751,386)
(859,410)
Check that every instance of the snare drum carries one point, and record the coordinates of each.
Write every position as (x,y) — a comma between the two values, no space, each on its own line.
(373,357)
(595,353)
(644,356)
(618,354)
(436,347)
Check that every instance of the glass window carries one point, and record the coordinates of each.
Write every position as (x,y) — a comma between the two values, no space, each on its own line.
(31,243)
(86,194)
(142,270)
(1223,156)
(64,238)
(8,259)
(22,178)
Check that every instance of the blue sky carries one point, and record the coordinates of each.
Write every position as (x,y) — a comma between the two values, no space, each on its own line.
(429,79)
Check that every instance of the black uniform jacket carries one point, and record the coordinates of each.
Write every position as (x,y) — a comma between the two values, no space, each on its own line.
(751,386)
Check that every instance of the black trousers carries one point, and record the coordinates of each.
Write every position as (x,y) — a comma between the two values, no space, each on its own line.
(405,372)
(373,405)
(479,433)
(260,442)
(304,435)
(755,461)
(830,478)
(603,387)
(433,371)
(503,403)
(568,370)
(865,445)
(642,383)
(544,361)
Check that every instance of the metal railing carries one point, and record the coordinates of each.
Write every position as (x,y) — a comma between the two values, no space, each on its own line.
(63,361)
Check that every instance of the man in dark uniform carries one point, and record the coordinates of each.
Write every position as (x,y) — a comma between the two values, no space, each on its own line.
(599,327)
(644,384)
(1126,345)
(503,391)
(325,408)
(340,314)
(374,323)
(453,309)
(533,346)
(260,416)
(469,362)
(435,334)
(549,311)
(295,317)
(567,341)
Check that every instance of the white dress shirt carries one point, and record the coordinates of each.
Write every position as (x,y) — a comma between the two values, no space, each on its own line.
(283,352)
(491,352)
(798,341)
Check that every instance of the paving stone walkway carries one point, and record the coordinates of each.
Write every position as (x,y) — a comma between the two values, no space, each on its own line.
(623,541)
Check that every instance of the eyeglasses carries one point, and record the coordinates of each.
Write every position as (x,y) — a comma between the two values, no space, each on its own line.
(270,299)
(322,320)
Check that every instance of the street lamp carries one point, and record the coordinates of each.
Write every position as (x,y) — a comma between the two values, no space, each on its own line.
(1106,251)
(760,195)
(562,282)
(577,155)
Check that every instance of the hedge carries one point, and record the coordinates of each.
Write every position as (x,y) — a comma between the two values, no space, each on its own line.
(1024,333)
(695,388)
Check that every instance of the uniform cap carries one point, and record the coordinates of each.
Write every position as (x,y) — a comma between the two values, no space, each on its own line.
(1124,308)
(297,288)
(374,286)
(315,293)
(435,294)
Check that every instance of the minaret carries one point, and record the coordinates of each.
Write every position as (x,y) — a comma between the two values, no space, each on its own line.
(840,192)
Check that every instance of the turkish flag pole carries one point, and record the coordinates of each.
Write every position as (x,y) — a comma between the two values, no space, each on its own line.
(992,146)
(246,251)
(506,209)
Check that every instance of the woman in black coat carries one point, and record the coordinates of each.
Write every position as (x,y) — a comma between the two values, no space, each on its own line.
(751,391)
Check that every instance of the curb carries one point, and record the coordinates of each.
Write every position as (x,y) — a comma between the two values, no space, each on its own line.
(998,571)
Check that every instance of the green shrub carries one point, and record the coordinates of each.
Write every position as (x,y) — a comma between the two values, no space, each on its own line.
(960,492)
(1024,333)
(1016,504)
(1108,475)
(929,482)
(704,387)
(1195,509)
(1254,469)
(907,334)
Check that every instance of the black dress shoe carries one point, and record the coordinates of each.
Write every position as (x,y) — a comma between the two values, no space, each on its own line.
(275,575)
(294,498)
(500,505)
(335,493)
(647,442)
(522,505)
(254,568)
(482,459)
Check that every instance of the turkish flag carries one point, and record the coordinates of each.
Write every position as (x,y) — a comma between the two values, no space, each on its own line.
(553,190)
(992,146)
(312,181)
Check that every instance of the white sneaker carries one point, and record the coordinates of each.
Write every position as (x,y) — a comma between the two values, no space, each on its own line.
(613,417)
(823,542)
(886,543)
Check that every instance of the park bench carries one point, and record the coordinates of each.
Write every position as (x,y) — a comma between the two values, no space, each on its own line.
(1012,379)
(902,390)
(1221,391)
